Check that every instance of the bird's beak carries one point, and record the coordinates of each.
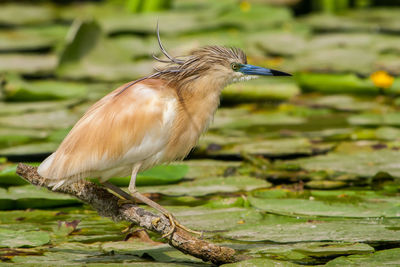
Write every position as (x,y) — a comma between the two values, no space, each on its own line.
(255,70)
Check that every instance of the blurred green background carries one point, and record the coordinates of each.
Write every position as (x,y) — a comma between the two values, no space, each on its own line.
(299,170)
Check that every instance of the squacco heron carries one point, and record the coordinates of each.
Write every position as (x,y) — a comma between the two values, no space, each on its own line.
(156,119)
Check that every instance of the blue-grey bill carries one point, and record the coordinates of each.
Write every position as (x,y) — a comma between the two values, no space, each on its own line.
(255,70)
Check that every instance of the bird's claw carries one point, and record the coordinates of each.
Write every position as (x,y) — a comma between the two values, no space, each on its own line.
(174,223)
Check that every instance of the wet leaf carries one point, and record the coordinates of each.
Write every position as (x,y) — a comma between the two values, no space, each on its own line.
(9,177)
(204,168)
(313,207)
(283,229)
(258,262)
(34,149)
(369,119)
(29,64)
(379,258)
(216,220)
(27,107)
(335,83)
(360,163)
(19,14)
(208,186)
(33,197)
(17,89)
(274,148)
(159,175)
(325,249)
(41,120)
(259,91)
(13,239)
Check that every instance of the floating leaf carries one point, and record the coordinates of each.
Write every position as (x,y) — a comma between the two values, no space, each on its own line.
(258,262)
(159,175)
(41,120)
(13,239)
(29,64)
(379,258)
(362,164)
(207,186)
(17,89)
(35,149)
(33,197)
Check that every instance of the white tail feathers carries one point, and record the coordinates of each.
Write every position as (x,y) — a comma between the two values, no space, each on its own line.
(44,167)
(43,170)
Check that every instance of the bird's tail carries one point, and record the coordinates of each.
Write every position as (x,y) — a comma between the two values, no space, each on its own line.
(45,170)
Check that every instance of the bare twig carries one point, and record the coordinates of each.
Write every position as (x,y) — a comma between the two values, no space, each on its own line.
(106,204)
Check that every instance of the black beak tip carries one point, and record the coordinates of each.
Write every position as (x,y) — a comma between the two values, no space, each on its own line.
(279,73)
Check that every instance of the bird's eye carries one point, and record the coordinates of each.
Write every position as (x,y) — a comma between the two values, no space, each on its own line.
(235,66)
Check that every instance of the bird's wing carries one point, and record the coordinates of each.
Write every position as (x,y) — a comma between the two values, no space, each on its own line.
(119,129)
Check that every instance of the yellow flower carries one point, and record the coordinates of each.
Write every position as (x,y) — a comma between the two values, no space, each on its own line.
(382,79)
(245,6)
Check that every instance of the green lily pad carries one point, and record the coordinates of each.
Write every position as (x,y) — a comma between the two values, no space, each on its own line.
(388,257)
(157,251)
(257,17)
(33,197)
(9,177)
(345,103)
(258,262)
(13,137)
(359,163)
(325,249)
(371,119)
(15,41)
(239,118)
(280,43)
(89,55)
(335,83)
(27,107)
(222,219)
(204,168)
(320,61)
(41,120)
(12,238)
(208,186)
(313,207)
(274,148)
(259,91)
(29,64)
(17,89)
(29,149)
(19,14)
(159,175)
(283,229)
(5,202)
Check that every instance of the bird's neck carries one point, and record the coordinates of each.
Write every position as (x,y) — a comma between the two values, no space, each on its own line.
(202,95)
(197,105)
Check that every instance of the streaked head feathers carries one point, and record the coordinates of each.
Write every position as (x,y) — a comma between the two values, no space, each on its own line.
(228,62)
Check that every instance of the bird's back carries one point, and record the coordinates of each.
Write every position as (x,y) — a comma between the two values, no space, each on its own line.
(116,132)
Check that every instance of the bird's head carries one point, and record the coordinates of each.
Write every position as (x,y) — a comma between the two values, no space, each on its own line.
(229,64)
(215,64)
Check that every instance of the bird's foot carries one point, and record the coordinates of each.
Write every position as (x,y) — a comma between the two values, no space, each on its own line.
(174,224)
(129,228)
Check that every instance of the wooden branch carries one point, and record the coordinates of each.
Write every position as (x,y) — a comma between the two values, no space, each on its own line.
(106,204)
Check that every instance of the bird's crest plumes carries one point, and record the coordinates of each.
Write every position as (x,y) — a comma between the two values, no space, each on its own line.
(181,70)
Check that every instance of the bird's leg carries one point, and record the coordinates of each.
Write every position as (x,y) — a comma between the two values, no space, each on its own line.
(151,203)
(119,191)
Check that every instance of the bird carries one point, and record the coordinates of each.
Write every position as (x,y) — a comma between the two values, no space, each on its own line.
(153,120)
